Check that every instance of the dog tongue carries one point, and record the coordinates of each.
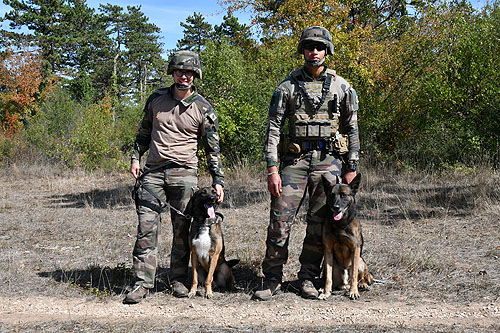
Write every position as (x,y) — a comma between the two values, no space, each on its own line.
(211,211)
(338,216)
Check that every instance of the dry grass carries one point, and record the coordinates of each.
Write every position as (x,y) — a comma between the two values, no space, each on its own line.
(426,236)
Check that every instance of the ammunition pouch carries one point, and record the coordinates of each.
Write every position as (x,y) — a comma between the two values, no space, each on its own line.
(317,128)
(338,144)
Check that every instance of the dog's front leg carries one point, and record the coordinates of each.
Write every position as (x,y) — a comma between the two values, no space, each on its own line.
(353,292)
(328,273)
(214,258)
(194,268)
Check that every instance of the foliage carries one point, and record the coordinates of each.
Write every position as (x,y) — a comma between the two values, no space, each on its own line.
(197,33)
(229,84)
(20,80)
(74,134)
(426,73)
(434,98)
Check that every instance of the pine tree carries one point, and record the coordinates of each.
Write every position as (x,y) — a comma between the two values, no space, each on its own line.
(197,32)
(235,32)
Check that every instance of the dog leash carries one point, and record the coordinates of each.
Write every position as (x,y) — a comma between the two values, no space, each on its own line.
(163,204)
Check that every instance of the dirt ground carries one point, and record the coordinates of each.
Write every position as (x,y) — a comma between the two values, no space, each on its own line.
(66,241)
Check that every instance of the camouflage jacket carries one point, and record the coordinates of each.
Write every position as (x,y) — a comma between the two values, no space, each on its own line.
(282,108)
(170,129)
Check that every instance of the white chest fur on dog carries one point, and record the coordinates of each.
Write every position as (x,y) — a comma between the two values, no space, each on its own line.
(202,243)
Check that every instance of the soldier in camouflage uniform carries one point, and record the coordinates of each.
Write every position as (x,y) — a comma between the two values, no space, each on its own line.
(320,108)
(174,119)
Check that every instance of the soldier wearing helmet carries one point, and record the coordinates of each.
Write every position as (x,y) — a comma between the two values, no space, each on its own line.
(175,118)
(320,108)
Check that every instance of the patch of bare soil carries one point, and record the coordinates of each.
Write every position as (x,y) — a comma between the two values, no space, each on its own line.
(433,244)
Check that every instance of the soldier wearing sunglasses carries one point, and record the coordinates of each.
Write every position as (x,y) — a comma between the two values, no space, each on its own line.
(320,110)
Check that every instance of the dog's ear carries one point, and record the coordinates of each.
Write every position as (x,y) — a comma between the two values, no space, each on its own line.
(354,184)
(329,181)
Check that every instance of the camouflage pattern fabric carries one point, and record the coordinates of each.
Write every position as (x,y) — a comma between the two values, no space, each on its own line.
(176,185)
(284,103)
(316,34)
(298,175)
(302,172)
(208,126)
(185,60)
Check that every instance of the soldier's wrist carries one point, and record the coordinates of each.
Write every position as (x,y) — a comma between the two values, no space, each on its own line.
(352,165)
(271,163)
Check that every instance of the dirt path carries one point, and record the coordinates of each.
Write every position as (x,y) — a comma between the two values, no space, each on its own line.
(285,312)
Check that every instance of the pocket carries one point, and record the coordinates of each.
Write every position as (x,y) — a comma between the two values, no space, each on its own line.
(300,129)
(314,129)
(325,130)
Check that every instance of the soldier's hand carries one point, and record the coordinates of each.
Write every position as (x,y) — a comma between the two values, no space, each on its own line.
(220,192)
(274,181)
(349,176)
(134,169)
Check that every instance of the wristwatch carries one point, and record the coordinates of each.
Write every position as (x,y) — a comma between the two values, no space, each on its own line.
(352,165)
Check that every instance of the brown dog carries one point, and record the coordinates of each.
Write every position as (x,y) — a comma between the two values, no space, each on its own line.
(343,240)
(207,244)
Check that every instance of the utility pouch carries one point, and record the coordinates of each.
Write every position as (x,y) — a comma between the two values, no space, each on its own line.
(299,130)
(342,143)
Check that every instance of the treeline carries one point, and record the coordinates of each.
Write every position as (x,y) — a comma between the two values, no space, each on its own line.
(73,80)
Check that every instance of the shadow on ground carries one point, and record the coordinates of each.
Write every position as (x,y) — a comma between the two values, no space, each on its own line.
(107,281)
(120,197)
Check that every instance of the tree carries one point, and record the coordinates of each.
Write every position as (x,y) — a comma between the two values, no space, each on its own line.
(20,80)
(237,33)
(143,49)
(197,32)
(43,18)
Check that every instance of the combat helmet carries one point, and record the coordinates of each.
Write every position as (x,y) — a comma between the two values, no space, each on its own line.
(185,60)
(316,34)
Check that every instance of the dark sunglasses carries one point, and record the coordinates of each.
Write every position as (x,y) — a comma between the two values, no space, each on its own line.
(180,73)
(312,46)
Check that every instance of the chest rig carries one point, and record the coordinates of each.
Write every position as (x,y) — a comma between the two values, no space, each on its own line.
(316,110)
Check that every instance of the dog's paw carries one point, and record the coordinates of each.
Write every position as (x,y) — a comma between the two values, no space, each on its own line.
(353,294)
(192,293)
(209,294)
(324,296)
(363,286)
(345,287)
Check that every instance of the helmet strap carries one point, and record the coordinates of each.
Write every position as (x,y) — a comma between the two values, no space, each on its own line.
(183,86)
(316,63)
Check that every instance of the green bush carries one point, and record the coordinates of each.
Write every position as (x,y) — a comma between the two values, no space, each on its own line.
(7,149)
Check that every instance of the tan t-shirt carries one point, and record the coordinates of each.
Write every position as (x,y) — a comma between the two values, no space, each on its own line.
(175,131)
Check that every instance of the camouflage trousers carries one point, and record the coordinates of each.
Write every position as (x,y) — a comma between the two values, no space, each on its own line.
(298,177)
(175,185)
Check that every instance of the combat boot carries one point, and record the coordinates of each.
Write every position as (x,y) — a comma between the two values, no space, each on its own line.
(270,288)
(308,290)
(179,289)
(136,295)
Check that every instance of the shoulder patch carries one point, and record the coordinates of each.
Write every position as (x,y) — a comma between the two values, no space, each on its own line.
(212,116)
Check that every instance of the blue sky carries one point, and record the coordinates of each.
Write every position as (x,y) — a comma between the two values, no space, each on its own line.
(168,14)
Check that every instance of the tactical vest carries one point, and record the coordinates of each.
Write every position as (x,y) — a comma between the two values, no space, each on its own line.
(317,110)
